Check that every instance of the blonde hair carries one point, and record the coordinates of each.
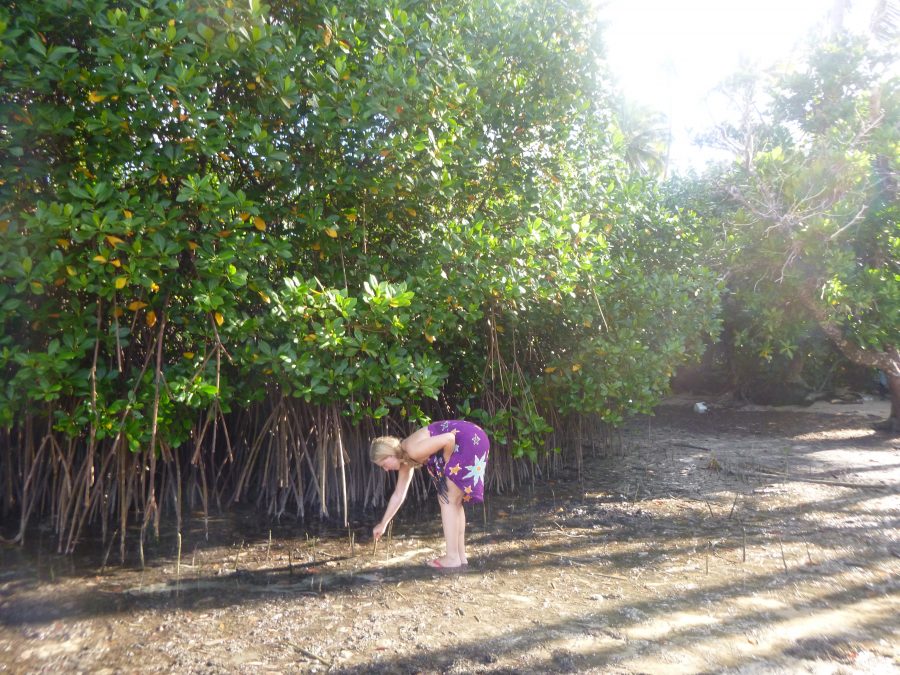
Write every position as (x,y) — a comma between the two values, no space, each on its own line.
(389,446)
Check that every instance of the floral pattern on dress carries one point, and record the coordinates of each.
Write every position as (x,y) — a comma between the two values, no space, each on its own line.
(476,470)
(467,464)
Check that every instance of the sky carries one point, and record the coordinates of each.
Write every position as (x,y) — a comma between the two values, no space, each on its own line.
(669,54)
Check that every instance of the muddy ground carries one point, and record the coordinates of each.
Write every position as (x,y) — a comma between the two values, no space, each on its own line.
(745,540)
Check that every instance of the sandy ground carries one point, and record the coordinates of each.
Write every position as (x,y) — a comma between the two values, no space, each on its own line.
(746,540)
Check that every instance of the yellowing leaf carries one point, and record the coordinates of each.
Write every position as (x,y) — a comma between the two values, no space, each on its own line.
(310,338)
(99,258)
(224,234)
(219,318)
(411,212)
(315,246)
(265,297)
(251,86)
(94,97)
(429,338)
(244,216)
(117,312)
(154,286)
(4,225)
(259,223)
(576,367)
(127,213)
(115,263)
(121,281)
(63,244)
(331,232)
(71,270)
(37,287)
(135,305)
(193,245)
(151,318)
(550,369)
(188,355)
(171,22)
(60,281)
(351,217)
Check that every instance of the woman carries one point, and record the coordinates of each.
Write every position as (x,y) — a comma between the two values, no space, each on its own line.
(455,453)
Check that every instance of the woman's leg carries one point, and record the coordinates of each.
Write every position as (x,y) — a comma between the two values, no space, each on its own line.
(450,514)
(461,545)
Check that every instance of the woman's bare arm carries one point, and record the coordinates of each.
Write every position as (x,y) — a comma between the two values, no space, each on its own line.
(421,448)
(404,479)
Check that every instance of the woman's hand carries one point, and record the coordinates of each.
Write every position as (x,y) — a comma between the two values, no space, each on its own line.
(378,531)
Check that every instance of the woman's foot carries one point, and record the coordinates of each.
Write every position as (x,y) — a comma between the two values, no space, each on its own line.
(444,563)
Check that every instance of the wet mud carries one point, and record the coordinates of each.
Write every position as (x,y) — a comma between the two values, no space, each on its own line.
(741,541)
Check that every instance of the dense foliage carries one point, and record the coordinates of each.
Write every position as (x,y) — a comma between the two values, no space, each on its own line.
(236,239)
(810,214)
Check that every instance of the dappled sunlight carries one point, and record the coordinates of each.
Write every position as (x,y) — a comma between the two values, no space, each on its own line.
(663,563)
(836,434)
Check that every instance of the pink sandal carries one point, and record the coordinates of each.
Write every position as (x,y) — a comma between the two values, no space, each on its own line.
(435,563)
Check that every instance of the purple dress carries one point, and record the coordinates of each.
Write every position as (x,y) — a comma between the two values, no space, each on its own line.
(466,465)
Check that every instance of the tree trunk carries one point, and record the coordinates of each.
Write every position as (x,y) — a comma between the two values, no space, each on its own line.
(887,360)
(892,423)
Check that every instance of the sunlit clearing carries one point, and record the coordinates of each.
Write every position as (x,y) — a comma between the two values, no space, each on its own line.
(671,54)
